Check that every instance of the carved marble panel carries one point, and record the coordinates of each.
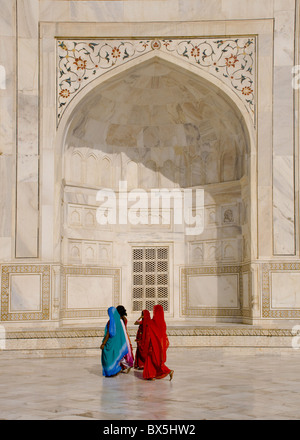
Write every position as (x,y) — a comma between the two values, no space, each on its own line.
(25,292)
(89,252)
(210,291)
(75,251)
(226,250)
(88,292)
(231,250)
(196,252)
(212,216)
(213,291)
(280,290)
(285,290)
(212,250)
(83,217)
(230,215)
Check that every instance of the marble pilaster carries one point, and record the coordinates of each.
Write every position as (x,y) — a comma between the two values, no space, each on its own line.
(297,125)
(264,146)
(7,125)
(283,131)
(27,203)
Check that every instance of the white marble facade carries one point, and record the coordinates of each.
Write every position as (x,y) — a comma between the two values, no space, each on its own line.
(172,95)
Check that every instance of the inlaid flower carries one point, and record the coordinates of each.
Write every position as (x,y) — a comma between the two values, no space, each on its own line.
(247,91)
(155,44)
(115,53)
(80,63)
(195,52)
(64,93)
(231,61)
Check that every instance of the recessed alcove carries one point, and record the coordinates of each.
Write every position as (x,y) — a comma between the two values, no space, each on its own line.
(163,118)
(158,125)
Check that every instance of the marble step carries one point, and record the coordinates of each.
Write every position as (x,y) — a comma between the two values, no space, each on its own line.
(86,341)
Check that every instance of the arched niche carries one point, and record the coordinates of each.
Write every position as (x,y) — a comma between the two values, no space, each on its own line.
(159,112)
(2,78)
(168,124)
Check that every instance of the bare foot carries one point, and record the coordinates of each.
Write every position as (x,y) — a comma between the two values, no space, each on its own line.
(171,374)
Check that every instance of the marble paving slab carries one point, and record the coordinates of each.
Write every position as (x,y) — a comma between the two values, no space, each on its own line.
(209,384)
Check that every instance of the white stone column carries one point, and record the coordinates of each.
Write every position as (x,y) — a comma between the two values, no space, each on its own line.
(283,130)
(7,125)
(27,121)
(297,126)
(263,161)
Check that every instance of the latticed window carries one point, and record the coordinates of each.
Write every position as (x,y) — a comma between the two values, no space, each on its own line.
(150,278)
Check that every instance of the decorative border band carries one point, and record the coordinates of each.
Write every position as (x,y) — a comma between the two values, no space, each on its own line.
(232,60)
(171,331)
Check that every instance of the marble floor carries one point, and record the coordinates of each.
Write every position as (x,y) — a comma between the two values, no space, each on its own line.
(211,384)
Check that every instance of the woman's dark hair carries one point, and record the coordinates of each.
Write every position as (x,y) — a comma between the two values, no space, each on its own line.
(122,311)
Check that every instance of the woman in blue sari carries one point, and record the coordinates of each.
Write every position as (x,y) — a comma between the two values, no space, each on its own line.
(114,346)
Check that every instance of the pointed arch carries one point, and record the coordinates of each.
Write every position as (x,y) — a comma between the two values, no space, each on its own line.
(76,172)
(214,83)
(216,86)
(2,77)
(105,172)
(91,176)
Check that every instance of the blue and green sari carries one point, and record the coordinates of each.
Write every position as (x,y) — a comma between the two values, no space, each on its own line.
(115,348)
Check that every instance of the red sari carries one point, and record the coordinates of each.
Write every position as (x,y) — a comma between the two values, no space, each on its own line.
(139,361)
(157,343)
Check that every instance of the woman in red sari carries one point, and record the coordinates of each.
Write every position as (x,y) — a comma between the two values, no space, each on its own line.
(156,343)
(140,354)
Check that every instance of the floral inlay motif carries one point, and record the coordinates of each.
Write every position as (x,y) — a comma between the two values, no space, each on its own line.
(80,63)
(232,60)
(115,53)
(195,52)
(247,91)
(64,93)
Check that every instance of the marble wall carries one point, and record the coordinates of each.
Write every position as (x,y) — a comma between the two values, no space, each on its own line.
(157,119)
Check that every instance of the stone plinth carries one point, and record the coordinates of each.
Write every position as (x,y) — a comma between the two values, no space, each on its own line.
(86,341)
